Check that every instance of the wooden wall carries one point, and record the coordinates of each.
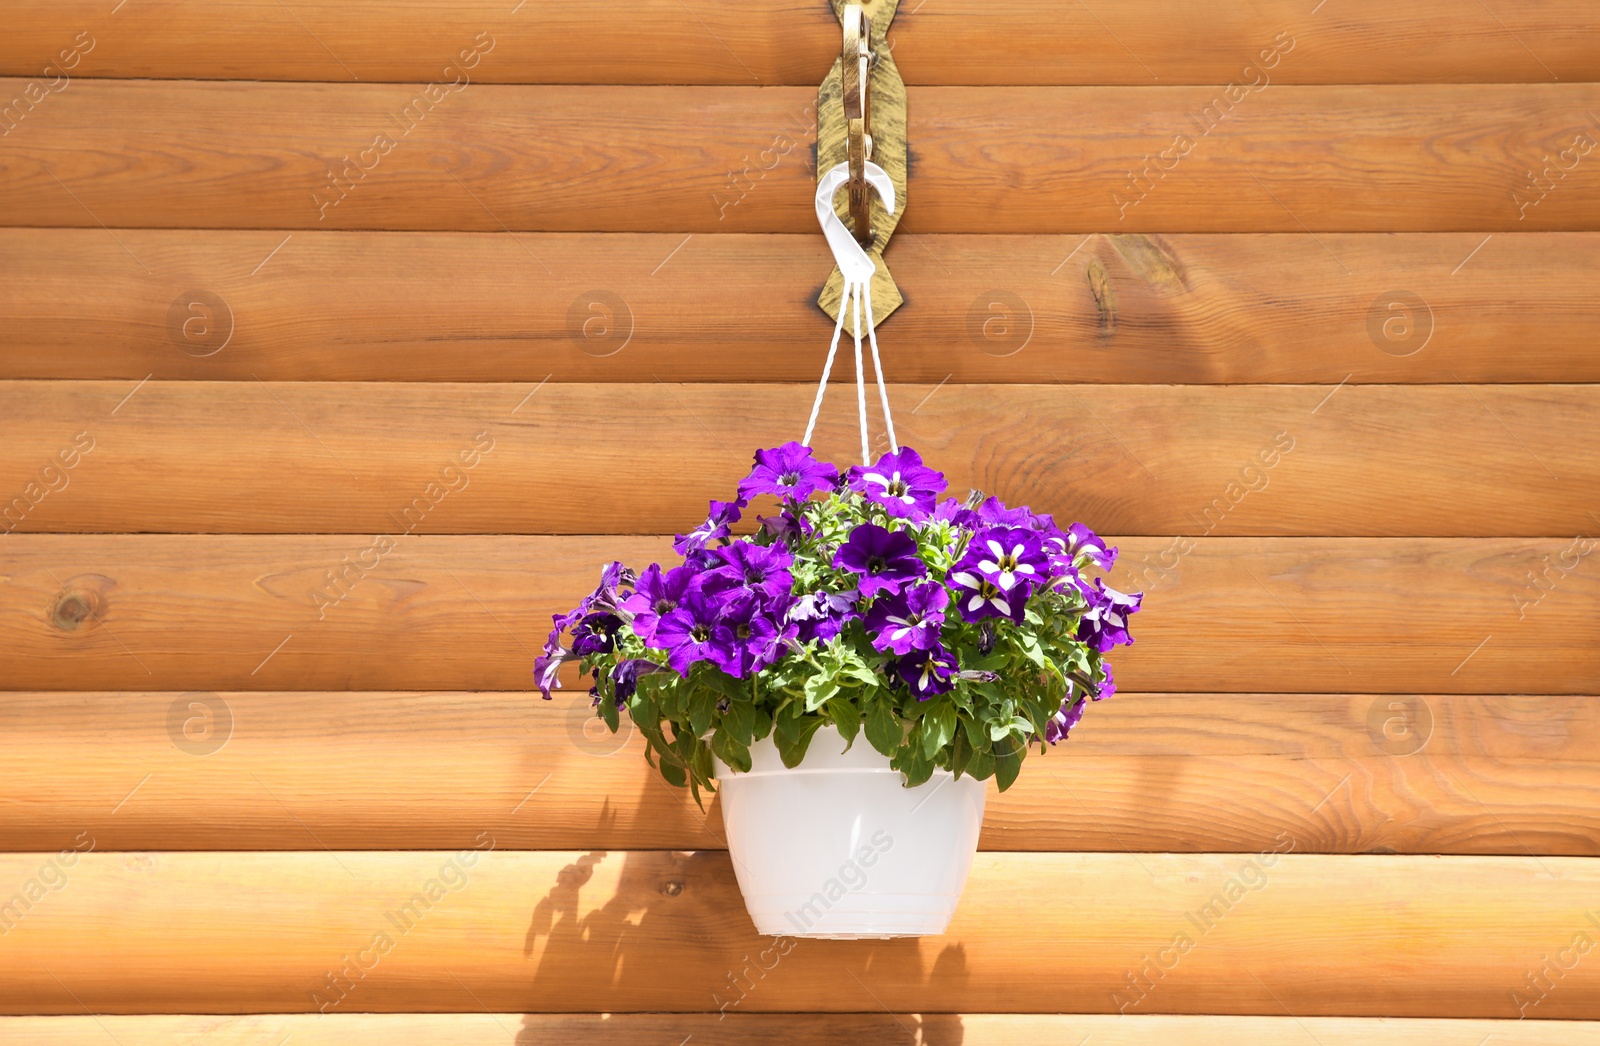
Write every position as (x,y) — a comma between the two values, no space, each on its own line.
(1327,371)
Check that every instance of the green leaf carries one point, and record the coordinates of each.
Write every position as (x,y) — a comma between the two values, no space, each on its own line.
(762,725)
(740,721)
(702,708)
(1007,765)
(939,724)
(608,712)
(846,715)
(1030,646)
(727,748)
(793,737)
(976,735)
(718,681)
(981,764)
(960,753)
(673,772)
(863,674)
(819,688)
(700,760)
(990,690)
(883,728)
(909,761)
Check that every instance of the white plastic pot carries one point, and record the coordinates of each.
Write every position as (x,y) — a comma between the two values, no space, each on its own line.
(838,847)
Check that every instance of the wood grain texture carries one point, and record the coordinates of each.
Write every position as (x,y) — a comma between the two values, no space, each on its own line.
(663,931)
(797,1029)
(1042,42)
(414,458)
(1301,615)
(1195,309)
(485,157)
(1336,773)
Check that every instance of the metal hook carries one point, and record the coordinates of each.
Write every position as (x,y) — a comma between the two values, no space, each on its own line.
(855,74)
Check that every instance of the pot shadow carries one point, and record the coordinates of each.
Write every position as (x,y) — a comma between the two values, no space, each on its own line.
(631,936)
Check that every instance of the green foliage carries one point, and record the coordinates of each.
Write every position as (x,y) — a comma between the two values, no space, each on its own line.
(1014,679)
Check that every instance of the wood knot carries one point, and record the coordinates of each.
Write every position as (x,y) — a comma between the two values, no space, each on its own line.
(1105,299)
(1152,260)
(81,599)
(672,887)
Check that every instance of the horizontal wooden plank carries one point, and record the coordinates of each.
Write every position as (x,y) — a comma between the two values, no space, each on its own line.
(793,42)
(349,612)
(659,930)
(1225,309)
(797,1029)
(1374,460)
(737,159)
(1146,772)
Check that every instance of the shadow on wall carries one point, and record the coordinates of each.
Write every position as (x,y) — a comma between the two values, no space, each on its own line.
(674,936)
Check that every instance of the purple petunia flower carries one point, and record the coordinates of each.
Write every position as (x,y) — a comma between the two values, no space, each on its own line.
(789,471)
(596,634)
(1065,719)
(1081,541)
(994,513)
(545,669)
(952,511)
(1108,686)
(605,597)
(820,616)
(786,526)
(978,597)
(749,574)
(901,483)
(1011,558)
(626,676)
(928,672)
(1105,623)
(655,594)
(692,632)
(552,643)
(608,595)
(718,524)
(908,621)
(885,559)
(762,642)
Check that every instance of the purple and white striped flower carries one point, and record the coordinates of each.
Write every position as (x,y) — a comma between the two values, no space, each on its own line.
(820,616)
(1104,623)
(719,524)
(908,621)
(1065,719)
(1010,557)
(901,483)
(978,597)
(928,672)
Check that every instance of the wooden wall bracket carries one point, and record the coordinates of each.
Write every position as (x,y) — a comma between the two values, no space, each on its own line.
(883,117)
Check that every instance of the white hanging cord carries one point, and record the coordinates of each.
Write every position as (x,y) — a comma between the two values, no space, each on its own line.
(857,268)
(822,386)
(877,368)
(861,380)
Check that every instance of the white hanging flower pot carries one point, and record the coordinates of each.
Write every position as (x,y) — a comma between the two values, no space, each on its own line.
(839,848)
(948,635)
